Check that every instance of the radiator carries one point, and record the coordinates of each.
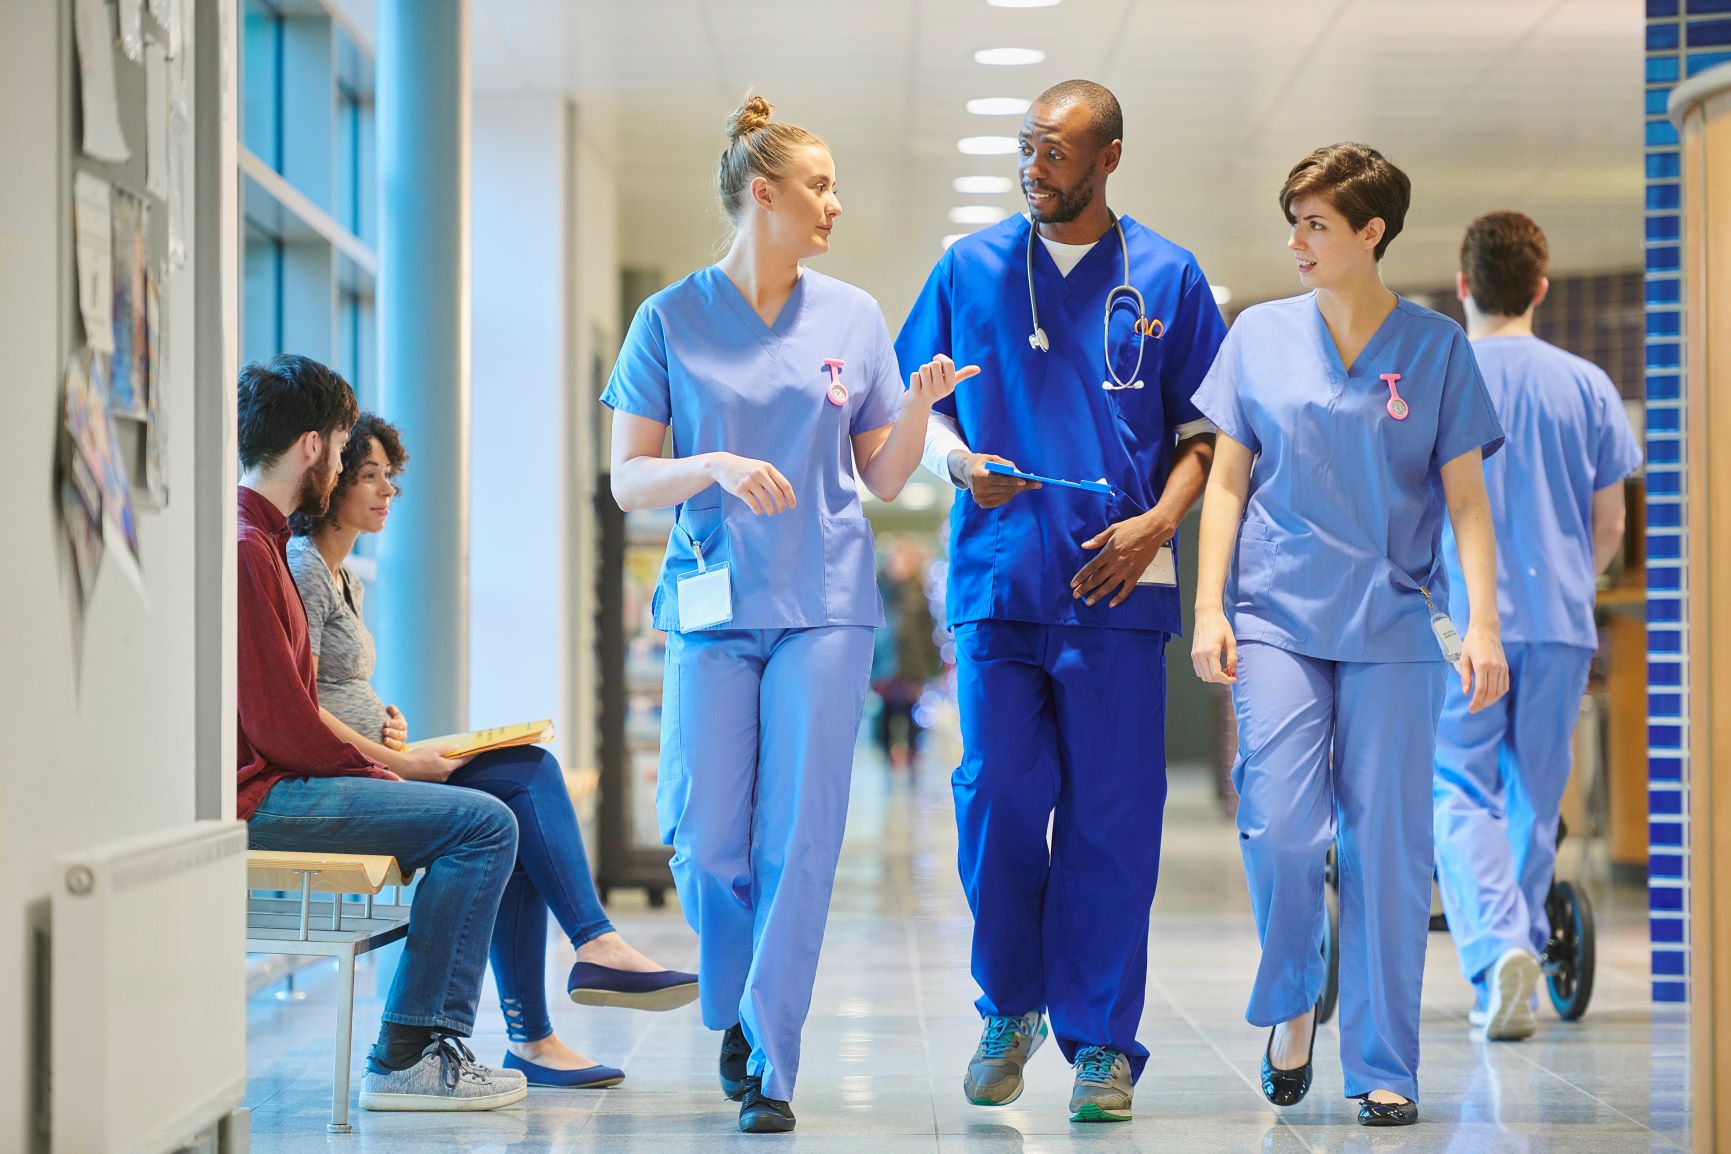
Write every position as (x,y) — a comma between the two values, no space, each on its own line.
(148,990)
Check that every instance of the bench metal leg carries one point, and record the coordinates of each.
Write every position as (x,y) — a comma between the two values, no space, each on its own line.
(339,1123)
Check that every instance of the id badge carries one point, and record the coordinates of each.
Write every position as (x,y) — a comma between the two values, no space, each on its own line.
(1447,637)
(705,598)
(1163,570)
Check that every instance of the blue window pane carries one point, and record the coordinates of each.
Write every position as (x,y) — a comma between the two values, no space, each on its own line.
(261,83)
(1664,354)
(1666,865)
(1662,387)
(1666,516)
(1664,453)
(1664,549)
(1671,992)
(1670,963)
(1665,899)
(1666,802)
(1701,7)
(1667,612)
(1664,673)
(1664,227)
(1665,768)
(1664,704)
(1665,931)
(1664,165)
(1664,197)
(1663,483)
(1664,641)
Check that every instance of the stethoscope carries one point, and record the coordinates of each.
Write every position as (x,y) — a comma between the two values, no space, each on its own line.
(1126,291)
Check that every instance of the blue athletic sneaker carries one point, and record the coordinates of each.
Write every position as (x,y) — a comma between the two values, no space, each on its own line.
(995,1073)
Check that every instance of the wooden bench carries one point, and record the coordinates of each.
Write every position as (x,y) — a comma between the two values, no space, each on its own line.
(318,922)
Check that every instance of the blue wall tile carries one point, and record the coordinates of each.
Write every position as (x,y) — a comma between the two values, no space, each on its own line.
(1662,69)
(1696,7)
(1671,992)
(1659,9)
(1667,931)
(1666,37)
(1663,197)
(1698,62)
(1665,865)
(1703,33)
(1664,165)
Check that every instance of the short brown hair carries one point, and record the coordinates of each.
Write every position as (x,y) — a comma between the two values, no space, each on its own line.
(1358,181)
(756,146)
(1504,256)
(369,428)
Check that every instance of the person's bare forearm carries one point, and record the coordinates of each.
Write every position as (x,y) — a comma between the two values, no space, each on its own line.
(384,755)
(1475,537)
(1228,490)
(1187,477)
(660,482)
(888,468)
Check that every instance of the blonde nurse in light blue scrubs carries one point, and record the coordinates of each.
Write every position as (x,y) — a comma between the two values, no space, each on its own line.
(1350,422)
(782,392)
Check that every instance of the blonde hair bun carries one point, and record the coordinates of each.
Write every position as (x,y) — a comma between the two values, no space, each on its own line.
(750,116)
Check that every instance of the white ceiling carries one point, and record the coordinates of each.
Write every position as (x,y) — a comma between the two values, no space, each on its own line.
(1526,104)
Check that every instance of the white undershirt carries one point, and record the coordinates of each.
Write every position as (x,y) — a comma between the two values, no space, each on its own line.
(1066,256)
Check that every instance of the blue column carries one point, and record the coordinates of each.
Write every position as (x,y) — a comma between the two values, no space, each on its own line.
(423,150)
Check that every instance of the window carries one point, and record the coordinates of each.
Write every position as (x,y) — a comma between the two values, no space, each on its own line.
(307,189)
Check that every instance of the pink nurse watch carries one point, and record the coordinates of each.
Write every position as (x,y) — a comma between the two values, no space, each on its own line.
(1397,408)
(837,390)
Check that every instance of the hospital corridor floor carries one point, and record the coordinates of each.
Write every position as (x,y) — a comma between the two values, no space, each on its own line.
(892,1026)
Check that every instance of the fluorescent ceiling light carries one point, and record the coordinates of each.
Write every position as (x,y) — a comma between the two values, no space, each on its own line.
(953,238)
(977,214)
(983,185)
(1222,294)
(998,106)
(987,145)
(1023,3)
(1009,56)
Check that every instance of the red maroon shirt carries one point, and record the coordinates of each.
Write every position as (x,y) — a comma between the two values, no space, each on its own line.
(281,733)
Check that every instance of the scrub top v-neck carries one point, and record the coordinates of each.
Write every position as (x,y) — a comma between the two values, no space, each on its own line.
(1343,525)
(699,359)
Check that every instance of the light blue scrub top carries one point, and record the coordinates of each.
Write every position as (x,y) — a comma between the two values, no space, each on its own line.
(1047,412)
(1345,515)
(1568,437)
(699,359)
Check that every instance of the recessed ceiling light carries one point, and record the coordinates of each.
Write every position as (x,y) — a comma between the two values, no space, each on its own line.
(998,106)
(1023,3)
(982,185)
(987,145)
(1222,294)
(953,238)
(1009,56)
(977,214)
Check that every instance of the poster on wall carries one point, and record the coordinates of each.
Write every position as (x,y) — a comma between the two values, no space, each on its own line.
(93,226)
(95,461)
(128,384)
(156,101)
(99,100)
(156,407)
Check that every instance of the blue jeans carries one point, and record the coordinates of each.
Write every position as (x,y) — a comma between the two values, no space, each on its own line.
(464,841)
(552,872)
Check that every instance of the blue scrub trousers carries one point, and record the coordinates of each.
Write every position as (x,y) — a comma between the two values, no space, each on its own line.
(1500,775)
(1336,752)
(1063,725)
(757,745)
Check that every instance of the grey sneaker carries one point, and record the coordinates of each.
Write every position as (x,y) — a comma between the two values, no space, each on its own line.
(1509,1017)
(1103,1086)
(446,1078)
(995,1073)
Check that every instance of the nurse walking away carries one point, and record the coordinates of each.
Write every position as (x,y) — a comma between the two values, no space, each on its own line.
(1062,601)
(1349,420)
(1558,496)
(779,384)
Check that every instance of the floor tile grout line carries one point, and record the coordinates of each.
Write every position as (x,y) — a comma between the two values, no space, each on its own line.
(1583,1091)
(910,923)
(1196,1027)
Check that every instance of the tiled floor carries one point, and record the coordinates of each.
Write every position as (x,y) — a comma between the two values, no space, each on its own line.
(892,1026)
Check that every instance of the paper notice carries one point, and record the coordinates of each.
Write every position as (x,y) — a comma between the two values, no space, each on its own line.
(93,225)
(132,28)
(103,138)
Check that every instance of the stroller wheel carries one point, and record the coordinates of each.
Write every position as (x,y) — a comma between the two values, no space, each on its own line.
(1569,958)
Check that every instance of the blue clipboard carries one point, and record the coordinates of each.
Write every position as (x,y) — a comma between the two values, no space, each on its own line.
(1085,486)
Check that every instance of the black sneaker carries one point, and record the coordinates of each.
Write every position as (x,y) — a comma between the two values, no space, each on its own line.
(735,1051)
(760,1115)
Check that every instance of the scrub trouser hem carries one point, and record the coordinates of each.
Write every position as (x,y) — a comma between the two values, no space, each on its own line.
(1339,753)
(757,739)
(1062,725)
(1500,776)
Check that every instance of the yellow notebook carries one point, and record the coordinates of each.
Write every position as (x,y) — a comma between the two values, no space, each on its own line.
(483,740)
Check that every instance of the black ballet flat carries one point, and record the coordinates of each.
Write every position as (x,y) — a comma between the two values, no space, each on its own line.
(1287,1087)
(1387,1113)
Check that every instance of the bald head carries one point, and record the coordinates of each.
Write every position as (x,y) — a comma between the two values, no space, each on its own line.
(1105,118)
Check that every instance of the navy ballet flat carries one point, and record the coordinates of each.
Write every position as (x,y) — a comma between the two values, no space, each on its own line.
(1287,1087)
(1387,1113)
(593,985)
(592,1078)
